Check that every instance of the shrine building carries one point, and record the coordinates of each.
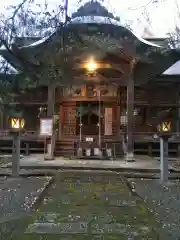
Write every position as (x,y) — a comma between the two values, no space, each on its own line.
(98,80)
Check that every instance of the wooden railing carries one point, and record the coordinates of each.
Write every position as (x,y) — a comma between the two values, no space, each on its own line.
(31,142)
(29,134)
(144,142)
(153,133)
(137,135)
(4,133)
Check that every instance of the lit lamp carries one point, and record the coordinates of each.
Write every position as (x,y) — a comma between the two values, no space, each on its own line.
(17,123)
(91,66)
(164,128)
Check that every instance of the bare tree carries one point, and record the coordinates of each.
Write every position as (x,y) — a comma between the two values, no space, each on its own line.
(174,35)
(28,20)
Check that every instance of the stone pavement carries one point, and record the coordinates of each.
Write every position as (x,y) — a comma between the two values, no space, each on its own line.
(17,196)
(37,161)
(91,206)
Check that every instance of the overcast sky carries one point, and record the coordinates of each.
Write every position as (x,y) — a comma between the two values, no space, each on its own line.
(162,15)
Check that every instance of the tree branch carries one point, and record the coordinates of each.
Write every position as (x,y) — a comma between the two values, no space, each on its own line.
(17,9)
(12,18)
(142,6)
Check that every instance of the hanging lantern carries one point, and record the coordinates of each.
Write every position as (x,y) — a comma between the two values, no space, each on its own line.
(104,89)
(136,112)
(78,91)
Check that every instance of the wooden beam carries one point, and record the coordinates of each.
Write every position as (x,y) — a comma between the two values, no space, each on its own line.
(78,81)
(100,65)
(93,99)
(99,78)
(29,103)
(94,78)
(82,55)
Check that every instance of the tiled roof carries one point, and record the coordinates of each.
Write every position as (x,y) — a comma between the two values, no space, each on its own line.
(98,20)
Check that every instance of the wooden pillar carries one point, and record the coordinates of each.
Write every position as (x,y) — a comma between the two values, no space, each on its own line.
(60,120)
(148,117)
(149,120)
(178,120)
(16,154)
(50,113)
(178,111)
(130,110)
(118,113)
(1,118)
(51,100)
(130,113)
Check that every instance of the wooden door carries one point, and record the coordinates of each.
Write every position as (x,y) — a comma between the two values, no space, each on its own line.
(69,119)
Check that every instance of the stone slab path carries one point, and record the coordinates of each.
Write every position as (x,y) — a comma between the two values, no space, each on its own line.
(83,205)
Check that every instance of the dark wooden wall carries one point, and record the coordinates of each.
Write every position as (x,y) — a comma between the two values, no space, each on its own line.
(148,100)
(35,96)
(156,95)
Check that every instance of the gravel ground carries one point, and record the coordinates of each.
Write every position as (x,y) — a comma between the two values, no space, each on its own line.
(17,196)
(164,201)
(5,160)
(175,164)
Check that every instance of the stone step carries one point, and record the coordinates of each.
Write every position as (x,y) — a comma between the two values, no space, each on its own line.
(83,228)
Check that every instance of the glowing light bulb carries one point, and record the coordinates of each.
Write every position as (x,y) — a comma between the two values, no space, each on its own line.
(91,66)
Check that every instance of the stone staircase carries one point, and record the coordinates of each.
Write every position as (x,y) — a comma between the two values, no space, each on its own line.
(64,148)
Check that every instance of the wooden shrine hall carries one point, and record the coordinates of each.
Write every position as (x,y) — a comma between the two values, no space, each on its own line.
(102,84)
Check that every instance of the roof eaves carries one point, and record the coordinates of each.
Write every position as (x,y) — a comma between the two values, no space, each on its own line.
(94,20)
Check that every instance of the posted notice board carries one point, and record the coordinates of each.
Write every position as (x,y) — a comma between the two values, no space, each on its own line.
(46,126)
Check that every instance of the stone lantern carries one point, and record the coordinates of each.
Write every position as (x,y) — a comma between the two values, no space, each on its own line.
(17,124)
(164,131)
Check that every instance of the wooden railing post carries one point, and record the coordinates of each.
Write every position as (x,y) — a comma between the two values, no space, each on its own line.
(27,149)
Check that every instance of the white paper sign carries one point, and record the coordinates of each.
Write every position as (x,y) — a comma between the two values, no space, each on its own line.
(46,127)
(89,139)
(108,121)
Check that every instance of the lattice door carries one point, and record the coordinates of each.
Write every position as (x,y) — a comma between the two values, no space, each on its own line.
(69,119)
